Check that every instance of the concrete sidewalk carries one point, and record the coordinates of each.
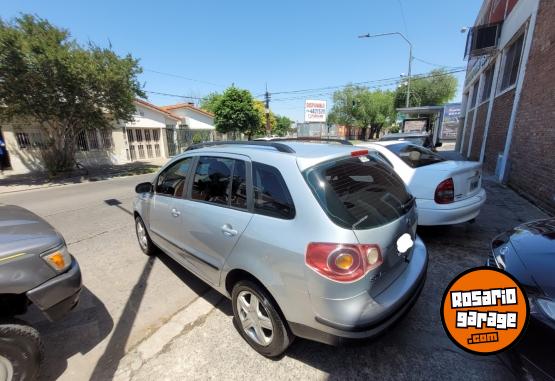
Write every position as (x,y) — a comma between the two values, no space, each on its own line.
(30,181)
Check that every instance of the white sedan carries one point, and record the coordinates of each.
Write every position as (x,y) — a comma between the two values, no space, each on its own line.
(447,192)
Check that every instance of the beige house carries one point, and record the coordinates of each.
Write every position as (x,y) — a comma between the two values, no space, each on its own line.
(155,135)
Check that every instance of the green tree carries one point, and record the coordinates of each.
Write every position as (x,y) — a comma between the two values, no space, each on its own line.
(65,87)
(261,109)
(436,88)
(357,106)
(236,112)
(208,103)
(283,125)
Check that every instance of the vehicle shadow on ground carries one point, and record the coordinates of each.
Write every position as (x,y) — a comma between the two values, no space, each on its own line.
(116,348)
(79,332)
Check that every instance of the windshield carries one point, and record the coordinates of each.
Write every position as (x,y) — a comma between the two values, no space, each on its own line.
(415,156)
(359,192)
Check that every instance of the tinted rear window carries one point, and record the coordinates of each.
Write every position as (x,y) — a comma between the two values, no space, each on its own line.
(359,192)
(415,156)
(271,196)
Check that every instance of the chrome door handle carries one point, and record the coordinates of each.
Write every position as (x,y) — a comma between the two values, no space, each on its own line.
(228,230)
(176,213)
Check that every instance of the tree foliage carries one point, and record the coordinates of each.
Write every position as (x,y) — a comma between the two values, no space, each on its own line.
(209,102)
(65,87)
(436,88)
(283,126)
(261,109)
(359,107)
(236,112)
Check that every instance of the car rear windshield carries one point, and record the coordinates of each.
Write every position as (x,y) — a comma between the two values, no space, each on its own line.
(359,192)
(415,156)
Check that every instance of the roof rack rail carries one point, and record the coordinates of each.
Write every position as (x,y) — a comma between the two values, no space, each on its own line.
(278,146)
(314,139)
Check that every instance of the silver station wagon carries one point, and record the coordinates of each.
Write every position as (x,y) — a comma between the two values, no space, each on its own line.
(307,239)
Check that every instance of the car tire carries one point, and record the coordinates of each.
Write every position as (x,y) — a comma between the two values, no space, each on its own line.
(281,336)
(145,243)
(21,351)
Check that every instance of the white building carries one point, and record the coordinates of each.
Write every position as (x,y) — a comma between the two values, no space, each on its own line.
(155,135)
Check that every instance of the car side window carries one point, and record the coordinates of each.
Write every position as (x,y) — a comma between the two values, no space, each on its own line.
(171,181)
(212,180)
(271,196)
(239,185)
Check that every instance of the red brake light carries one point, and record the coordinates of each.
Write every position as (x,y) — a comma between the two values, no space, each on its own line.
(361,152)
(445,192)
(342,262)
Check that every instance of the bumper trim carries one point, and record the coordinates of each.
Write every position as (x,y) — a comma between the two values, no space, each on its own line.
(60,294)
(410,300)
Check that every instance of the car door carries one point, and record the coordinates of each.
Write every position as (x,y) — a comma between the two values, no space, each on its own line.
(165,220)
(216,213)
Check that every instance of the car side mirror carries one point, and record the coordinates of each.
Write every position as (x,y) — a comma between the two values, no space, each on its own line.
(438,144)
(144,188)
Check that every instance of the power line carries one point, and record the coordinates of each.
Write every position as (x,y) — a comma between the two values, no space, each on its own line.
(381,83)
(183,77)
(403,17)
(428,62)
(172,95)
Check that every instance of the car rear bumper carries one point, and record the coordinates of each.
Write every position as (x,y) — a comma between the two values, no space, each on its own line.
(363,317)
(56,297)
(431,213)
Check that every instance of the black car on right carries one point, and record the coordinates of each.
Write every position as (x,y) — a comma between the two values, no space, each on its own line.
(528,253)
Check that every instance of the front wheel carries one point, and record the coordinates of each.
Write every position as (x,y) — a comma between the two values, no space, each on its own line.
(145,243)
(257,319)
(20,352)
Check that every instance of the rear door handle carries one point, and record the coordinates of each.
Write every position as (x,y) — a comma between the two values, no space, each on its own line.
(176,213)
(228,230)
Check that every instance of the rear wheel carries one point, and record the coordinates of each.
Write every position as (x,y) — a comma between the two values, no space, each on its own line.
(258,321)
(146,245)
(20,352)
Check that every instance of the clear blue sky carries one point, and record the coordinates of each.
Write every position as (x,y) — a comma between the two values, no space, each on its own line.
(290,45)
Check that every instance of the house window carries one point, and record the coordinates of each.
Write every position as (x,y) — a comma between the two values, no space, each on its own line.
(106,136)
(82,142)
(139,135)
(23,140)
(130,136)
(512,63)
(147,135)
(93,139)
(157,150)
(155,135)
(474,94)
(488,80)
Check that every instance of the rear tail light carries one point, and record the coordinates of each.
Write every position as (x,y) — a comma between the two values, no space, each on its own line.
(445,192)
(342,262)
(361,152)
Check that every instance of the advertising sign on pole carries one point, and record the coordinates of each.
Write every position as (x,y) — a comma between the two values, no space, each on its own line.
(314,111)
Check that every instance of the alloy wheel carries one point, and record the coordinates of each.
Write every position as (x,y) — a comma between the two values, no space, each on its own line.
(255,319)
(141,235)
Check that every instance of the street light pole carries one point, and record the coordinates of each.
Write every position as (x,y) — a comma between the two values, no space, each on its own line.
(368,35)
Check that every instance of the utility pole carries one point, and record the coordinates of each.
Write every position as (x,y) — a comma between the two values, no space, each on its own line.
(267,110)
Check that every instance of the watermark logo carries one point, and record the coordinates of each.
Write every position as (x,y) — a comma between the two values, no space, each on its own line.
(484,310)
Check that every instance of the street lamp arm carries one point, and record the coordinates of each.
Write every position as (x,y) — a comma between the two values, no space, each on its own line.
(368,35)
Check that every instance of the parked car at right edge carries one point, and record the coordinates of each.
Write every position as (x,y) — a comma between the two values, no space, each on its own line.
(528,253)
(310,240)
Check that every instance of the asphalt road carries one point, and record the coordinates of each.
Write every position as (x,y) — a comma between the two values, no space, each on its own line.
(148,319)
(126,295)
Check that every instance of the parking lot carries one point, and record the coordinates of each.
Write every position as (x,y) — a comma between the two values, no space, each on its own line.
(129,300)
